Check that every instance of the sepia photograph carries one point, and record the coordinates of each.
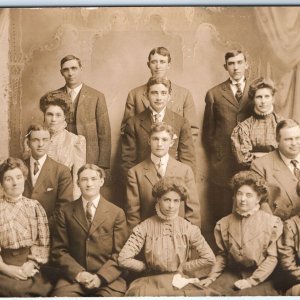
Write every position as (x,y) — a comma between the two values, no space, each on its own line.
(150,151)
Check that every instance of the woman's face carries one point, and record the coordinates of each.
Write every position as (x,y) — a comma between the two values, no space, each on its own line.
(13,183)
(169,204)
(246,198)
(54,116)
(263,100)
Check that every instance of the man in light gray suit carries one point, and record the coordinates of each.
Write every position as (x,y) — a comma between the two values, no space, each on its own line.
(181,102)
(281,170)
(142,177)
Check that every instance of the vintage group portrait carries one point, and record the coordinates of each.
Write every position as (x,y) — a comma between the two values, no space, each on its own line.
(150,151)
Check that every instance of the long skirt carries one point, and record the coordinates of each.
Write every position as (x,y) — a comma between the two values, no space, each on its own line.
(34,286)
(161,285)
(225,286)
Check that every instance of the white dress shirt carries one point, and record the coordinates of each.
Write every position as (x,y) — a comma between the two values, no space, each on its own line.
(76,91)
(93,207)
(41,162)
(160,161)
(233,84)
(161,115)
(288,163)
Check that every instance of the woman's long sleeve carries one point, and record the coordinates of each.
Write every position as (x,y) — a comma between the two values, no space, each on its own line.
(131,248)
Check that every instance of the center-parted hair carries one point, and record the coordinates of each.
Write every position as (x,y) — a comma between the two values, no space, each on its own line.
(161,51)
(261,83)
(56,98)
(161,126)
(159,80)
(168,184)
(252,179)
(10,164)
(93,167)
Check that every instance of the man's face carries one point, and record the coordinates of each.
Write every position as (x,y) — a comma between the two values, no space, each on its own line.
(71,71)
(38,142)
(289,141)
(236,66)
(158,65)
(89,182)
(160,143)
(158,97)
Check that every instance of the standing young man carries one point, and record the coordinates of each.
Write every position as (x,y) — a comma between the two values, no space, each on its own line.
(226,105)
(89,234)
(181,102)
(142,177)
(89,116)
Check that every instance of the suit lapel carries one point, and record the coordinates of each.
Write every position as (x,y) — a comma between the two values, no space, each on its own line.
(245,99)
(169,117)
(171,167)
(283,175)
(234,229)
(145,120)
(79,215)
(28,180)
(45,171)
(144,97)
(150,171)
(227,93)
(100,215)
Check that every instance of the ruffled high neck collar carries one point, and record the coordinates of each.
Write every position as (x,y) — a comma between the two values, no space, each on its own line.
(59,128)
(259,115)
(248,213)
(12,200)
(162,216)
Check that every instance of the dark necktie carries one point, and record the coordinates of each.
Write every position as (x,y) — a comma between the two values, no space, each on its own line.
(239,92)
(296,169)
(35,167)
(156,118)
(89,212)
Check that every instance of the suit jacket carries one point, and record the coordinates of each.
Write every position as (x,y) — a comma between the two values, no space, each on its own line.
(53,187)
(221,115)
(76,247)
(283,199)
(92,121)
(181,102)
(141,179)
(135,147)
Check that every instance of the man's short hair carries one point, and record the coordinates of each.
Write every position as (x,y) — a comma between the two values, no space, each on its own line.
(161,51)
(91,167)
(70,57)
(288,123)
(35,127)
(161,126)
(159,80)
(233,53)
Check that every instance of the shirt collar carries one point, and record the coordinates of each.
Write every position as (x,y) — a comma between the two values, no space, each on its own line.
(164,160)
(95,202)
(162,113)
(76,90)
(287,160)
(241,81)
(41,160)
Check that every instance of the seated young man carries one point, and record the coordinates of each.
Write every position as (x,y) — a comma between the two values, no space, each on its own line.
(142,177)
(135,147)
(89,234)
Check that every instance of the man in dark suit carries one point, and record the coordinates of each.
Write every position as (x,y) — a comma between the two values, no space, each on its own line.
(89,234)
(142,177)
(226,105)
(135,146)
(49,182)
(281,170)
(89,116)
(181,102)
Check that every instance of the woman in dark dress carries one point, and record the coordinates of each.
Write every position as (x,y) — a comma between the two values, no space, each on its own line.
(24,236)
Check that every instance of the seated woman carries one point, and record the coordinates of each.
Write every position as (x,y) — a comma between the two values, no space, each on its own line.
(167,240)
(24,236)
(66,148)
(246,240)
(256,136)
